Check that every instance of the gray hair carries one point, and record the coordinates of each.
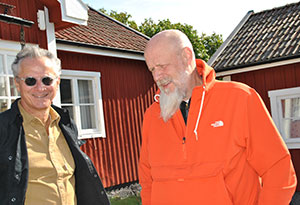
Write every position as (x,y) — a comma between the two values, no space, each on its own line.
(34,52)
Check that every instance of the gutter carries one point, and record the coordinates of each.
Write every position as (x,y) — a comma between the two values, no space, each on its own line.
(15,20)
(259,65)
(230,37)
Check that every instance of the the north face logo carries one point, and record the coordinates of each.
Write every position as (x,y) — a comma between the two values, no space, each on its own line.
(219,123)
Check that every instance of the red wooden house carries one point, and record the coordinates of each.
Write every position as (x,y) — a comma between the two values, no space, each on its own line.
(263,51)
(105,83)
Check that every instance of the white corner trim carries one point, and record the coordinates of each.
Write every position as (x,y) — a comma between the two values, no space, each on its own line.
(50,32)
(74,11)
(258,67)
(100,52)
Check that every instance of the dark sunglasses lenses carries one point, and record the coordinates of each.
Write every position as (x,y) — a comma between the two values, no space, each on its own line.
(30,81)
(47,81)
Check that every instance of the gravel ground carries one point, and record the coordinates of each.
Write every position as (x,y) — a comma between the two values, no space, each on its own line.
(135,189)
(131,190)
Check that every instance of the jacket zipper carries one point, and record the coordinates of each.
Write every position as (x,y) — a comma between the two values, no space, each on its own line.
(184,148)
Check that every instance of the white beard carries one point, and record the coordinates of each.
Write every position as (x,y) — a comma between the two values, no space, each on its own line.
(170,102)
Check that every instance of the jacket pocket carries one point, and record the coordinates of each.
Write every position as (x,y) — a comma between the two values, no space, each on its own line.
(210,190)
(197,184)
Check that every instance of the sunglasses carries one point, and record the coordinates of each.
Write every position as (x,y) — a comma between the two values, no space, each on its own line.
(31,81)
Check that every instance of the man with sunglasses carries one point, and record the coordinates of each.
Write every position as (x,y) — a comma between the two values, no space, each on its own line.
(40,158)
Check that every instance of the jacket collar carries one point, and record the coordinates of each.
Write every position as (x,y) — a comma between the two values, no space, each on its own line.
(15,113)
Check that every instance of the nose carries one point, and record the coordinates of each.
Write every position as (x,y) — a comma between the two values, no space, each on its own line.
(157,74)
(40,85)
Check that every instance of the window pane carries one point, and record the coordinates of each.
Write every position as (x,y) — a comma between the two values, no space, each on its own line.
(291,107)
(291,117)
(13,89)
(2,87)
(1,64)
(85,88)
(66,91)
(70,109)
(88,120)
(10,60)
(3,105)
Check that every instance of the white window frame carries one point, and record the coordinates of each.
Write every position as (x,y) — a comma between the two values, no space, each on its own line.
(276,109)
(8,48)
(95,77)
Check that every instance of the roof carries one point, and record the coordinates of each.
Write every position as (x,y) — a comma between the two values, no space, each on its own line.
(104,32)
(264,37)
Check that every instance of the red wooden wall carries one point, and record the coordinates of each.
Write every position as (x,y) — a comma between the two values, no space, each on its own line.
(127,90)
(274,78)
(26,9)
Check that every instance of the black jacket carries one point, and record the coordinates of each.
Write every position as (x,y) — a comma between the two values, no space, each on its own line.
(14,161)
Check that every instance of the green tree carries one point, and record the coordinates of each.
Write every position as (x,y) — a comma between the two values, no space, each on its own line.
(204,45)
(209,46)
(123,17)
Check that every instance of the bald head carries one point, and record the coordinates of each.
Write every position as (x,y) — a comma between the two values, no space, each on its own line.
(169,40)
(169,56)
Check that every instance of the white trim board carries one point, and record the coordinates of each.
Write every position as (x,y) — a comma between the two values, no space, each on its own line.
(101,52)
(258,67)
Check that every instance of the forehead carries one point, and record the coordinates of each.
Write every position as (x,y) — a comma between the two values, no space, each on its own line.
(159,54)
(40,64)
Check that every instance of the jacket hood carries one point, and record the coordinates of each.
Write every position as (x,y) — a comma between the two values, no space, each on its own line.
(208,76)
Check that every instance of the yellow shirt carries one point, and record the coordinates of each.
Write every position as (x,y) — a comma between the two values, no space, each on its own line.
(51,166)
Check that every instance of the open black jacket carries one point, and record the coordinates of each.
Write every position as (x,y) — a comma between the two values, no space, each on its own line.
(14,161)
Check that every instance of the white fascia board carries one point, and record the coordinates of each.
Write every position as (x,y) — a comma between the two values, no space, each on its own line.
(74,11)
(100,52)
(258,67)
(13,46)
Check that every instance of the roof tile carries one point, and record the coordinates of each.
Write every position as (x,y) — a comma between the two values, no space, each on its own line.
(266,36)
(106,32)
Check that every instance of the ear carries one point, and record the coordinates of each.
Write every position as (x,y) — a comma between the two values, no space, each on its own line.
(57,82)
(187,55)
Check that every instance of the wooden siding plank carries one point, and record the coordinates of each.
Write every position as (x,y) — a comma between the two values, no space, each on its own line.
(127,91)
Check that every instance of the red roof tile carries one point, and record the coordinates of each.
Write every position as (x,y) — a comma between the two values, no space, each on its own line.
(106,32)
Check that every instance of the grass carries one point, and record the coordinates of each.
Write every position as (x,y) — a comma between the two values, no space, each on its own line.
(131,200)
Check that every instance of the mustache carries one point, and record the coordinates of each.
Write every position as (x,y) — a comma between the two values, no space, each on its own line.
(164,81)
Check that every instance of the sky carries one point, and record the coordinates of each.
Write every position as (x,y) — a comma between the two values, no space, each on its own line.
(210,16)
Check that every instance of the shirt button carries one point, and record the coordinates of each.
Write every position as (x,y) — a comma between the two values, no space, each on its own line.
(13,199)
(10,157)
(102,192)
(95,175)
(17,176)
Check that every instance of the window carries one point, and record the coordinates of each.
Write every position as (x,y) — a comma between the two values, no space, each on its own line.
(80,94)
(8,90)
(285,108)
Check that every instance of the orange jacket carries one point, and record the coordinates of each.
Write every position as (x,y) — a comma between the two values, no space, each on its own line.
(233,153)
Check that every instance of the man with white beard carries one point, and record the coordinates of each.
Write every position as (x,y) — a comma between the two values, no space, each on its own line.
(228,150)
